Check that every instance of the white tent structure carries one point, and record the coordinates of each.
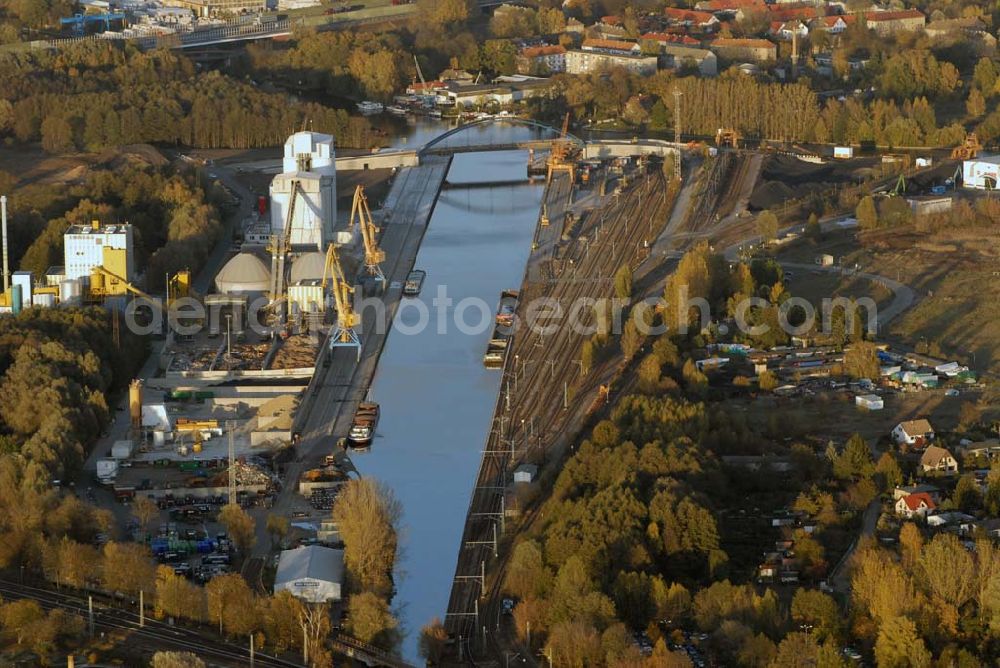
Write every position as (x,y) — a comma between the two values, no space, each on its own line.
(312,573)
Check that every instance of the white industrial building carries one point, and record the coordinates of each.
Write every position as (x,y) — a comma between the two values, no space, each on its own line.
(84,249)
(982,173)
(309,162)
(312,573)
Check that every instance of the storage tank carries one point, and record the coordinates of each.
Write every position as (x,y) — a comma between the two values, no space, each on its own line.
(135,402)
(244,274)
(308,266)
(45,300)
(15,298)
(70,292)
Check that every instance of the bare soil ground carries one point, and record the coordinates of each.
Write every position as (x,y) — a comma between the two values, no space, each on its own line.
(31,165)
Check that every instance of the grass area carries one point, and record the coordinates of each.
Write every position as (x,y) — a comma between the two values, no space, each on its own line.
(953,272)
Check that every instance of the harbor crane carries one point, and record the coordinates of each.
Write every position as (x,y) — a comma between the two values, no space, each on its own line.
(563,155)
(333,275)
(969,149)
(374,256)
(279,246)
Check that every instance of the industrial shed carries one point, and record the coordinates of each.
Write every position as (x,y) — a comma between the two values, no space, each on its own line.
(312,573)
(982,173)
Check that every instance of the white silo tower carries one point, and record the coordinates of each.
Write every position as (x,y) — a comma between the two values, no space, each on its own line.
(309,162)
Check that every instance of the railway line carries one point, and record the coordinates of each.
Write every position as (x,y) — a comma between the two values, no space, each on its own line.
(153,634)
(542,375)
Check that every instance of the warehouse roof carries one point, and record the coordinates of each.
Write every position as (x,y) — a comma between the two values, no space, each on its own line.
(310,561)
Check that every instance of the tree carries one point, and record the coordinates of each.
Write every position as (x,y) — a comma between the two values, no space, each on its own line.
(855,461)
(128,568)
(587,354)
(866,213)
(632,339)
(767,381)
(240,526)
(767,225)
(574,644)
(367,515)
(527,574)
(888,471)
(900,646)
(145,510)
(177,660)
(433,641)
(813,229)
(231,604)
(370,620)
(277,527)
(177,597)
(818,610)
(967,496)
(861,361)
(911,545)
(948,569)
(975,104)
(623,282)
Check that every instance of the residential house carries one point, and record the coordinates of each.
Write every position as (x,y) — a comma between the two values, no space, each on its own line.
(730,5)
(905,490)
(583,62)
(787,30)
(575,26)
(754,50)
(915,505)
(665,38)
(691,18)
(602,54)
(546,59)
(988,450)
(888,23)
(834,24)
(677,56)
(938,459)
(425,88)
(613,46)
(917,433)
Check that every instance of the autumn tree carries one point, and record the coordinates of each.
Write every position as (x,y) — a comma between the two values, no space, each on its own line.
(277,527)
(128,568)
(433,641)
(367,515)
(767,225)
(177,660)
(861,361)
(527,574)
(370,620)
(899,644)
(623,282)
(239,525)
(866,213)
(145,511)
(231,604)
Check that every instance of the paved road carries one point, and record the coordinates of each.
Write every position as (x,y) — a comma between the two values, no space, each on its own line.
(839,578)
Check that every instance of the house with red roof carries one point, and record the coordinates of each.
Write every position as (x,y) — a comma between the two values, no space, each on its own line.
(888,23)
(915,505)
(730,5)
(691,18)
(786,30)
(544,59)
(834,24)
(665,38)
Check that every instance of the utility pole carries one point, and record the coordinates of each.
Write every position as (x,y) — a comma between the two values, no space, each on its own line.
(232,463)
(677,132)
(251,650)
(90,615)
(142,611)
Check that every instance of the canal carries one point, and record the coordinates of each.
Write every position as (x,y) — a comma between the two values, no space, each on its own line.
(437,399)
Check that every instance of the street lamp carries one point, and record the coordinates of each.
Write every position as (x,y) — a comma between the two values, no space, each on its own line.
(229,341)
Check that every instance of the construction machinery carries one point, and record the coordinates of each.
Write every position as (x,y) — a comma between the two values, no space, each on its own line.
(333,276)
(564,154)
(727,137)
(968,149)
(279,246)
(374,256)
(105,283)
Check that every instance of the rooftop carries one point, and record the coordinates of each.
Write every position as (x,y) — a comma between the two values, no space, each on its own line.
(311,561)
(916,427)
(894,16)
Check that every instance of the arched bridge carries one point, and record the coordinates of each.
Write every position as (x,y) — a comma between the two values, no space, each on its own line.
(441,144)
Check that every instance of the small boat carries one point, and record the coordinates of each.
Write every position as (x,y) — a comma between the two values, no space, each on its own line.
(397,110)
(368,107)
(414,281)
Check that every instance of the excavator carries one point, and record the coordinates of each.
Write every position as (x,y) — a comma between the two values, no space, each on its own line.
(279,246)
(347,319)
(374,256)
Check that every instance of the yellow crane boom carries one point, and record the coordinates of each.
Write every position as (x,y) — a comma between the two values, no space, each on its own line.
(279,246)
(347,319)
(374,256)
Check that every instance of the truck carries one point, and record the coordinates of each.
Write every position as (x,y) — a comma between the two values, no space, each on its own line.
(414,281)
(363,427)
(107,470)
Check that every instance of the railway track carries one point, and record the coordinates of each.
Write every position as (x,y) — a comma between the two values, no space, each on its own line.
(154,634)
(537,370)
